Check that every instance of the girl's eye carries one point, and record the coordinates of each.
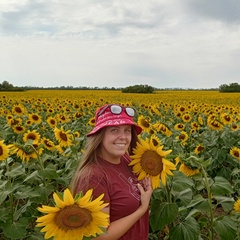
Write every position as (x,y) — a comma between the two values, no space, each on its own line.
(114,130)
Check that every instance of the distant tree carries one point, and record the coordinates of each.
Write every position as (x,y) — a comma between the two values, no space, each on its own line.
(232,87)
(138,89)
(6,86)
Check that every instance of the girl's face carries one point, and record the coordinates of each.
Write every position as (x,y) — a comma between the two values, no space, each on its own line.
(115,142)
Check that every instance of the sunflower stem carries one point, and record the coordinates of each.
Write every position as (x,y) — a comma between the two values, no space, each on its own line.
(209,201)
(10,194)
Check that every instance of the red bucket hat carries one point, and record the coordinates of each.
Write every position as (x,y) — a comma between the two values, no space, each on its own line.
(114,115)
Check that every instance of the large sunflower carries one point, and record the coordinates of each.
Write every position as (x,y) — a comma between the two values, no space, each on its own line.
(148,161)
(73,218)
(4,151)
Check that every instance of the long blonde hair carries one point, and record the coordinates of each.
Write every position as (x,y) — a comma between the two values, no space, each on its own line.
(90,155)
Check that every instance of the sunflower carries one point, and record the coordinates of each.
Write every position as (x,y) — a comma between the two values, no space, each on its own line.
(24,152)
(73,217)
(19,129)
(48,144)
(4,151)
(78,115)
(160,127)
(29,122)
(215,125)
(195,125)
(148,161)
(183,136)
(52,122)
(235,152)
(35,118)
(179,126)
(62,118)
(186,117)
(234,126)
(187,170)
(237,206)
(9,119)
(18,109)
(63,138)
(31,135)
(155,141)
(199,148)
(226,118)
(91,121)
(76,134)
(15,121)
(143,123)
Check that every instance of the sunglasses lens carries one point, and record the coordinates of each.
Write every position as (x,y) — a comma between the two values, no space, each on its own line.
(115,109)
(130,111)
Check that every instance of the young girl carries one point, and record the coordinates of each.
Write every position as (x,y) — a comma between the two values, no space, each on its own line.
(104,167)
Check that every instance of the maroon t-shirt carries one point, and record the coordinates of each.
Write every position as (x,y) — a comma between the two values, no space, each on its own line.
(119,185)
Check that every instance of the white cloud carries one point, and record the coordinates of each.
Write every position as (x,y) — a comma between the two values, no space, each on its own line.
(119,43)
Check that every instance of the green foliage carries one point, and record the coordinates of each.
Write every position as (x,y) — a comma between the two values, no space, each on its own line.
(232,87)
(138,89)
(6,86)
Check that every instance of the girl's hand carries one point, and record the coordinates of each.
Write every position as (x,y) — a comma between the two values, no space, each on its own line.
(146,192)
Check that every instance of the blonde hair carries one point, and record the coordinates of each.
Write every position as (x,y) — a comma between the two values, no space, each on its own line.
(90,156)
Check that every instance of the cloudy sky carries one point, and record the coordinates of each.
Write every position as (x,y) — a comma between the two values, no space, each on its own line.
(110,43)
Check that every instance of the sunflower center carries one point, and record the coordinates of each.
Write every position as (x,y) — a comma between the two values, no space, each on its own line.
(72,217)
(31,136)
(63,136)
(152,163)
(35,117)
(236,154)
(1,151)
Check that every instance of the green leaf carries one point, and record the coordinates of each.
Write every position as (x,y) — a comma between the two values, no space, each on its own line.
(221,186)
(226,202)
(16,170)
(14,230)
(21,210)
(187,230)
(33,176)
(26,192)
(226,228)
(49,172)
(162,214)
(200,204)
(180,182)
(185,196)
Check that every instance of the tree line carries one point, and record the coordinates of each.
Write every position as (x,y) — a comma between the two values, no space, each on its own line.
(139,88)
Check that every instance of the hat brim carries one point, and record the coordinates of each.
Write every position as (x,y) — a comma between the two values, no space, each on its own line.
(101,126)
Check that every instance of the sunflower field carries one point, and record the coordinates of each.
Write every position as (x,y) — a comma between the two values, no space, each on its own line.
(189,147)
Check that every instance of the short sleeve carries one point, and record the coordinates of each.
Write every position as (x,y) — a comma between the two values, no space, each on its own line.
(96,181)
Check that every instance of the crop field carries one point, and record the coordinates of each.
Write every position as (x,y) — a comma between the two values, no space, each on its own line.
(42,134)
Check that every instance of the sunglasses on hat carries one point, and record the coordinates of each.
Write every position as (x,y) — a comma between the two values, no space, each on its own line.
(117,109)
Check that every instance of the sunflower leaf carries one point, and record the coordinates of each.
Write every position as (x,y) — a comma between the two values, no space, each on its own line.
(226,228)
(162,214)
(14,230)
(221,186)
(187,230)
